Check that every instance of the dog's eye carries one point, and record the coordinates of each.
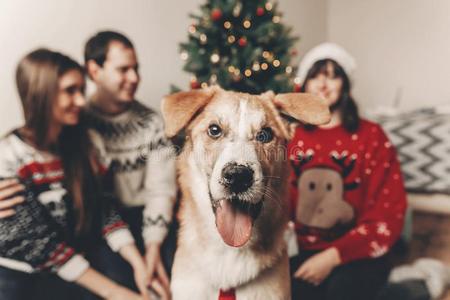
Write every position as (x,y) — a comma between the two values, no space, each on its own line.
(265,135)
(214,131)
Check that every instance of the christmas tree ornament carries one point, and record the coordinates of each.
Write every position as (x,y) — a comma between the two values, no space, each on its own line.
(297,88)
(215,58)
(194,83)
(206,23)
(260,11)
(236,78)
(216,14)
(203,39)
(269,57)
(288,69)
(241,45)
(242,42)
(204,85)
(237,9)
(256,67)
(184,55)
(236,74)
(192,29)
(213,79)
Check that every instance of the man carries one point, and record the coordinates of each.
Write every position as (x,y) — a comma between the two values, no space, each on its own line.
(134,144)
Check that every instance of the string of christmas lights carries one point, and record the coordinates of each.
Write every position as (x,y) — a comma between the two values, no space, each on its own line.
(241,45)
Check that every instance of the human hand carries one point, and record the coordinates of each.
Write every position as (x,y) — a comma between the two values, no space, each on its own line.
(8,199)
(141,278)
(122,293)
(160,290)
(155,267)
(318,267)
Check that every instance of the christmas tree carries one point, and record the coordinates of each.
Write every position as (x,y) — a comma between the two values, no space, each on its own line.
(240,45)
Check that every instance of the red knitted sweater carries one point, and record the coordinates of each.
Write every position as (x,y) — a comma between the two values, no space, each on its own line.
(346,190)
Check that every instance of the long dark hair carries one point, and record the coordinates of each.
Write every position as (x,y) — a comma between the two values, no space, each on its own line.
(37,79)
(346,104)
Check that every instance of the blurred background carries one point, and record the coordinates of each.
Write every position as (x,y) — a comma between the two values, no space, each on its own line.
(402,47)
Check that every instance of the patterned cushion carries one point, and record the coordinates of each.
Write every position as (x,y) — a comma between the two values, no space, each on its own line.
(422,139)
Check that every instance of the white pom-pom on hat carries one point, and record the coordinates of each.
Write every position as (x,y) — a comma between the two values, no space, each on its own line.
(326,51)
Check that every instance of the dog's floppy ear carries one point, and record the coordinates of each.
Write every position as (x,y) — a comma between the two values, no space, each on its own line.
(303,107)
(179,108)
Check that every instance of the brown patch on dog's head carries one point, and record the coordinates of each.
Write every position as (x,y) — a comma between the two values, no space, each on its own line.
(303,107)
(180,108)
(298,107)
(235,148)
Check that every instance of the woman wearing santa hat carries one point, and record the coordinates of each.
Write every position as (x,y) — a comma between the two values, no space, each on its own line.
(347,195)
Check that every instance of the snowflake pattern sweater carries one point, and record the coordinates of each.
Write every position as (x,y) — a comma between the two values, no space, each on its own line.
(36,237)
(346,191)
(142,159)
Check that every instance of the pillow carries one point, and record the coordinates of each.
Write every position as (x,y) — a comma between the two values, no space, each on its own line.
(422,139)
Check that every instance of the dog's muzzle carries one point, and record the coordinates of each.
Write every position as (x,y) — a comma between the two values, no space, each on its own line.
(237,178)
(236,212)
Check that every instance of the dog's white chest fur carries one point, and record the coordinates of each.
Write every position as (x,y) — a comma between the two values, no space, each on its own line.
(201,270)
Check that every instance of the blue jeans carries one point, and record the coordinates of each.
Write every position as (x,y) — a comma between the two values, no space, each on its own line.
(16,285)
(405,290)
(353,281)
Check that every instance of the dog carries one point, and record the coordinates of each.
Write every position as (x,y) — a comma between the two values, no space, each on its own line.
(232,173)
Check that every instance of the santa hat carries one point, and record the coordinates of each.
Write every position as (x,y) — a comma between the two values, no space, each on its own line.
(326,51)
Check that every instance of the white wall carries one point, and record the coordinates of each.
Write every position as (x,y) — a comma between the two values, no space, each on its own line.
(309,19)
(402,48)
(156,28)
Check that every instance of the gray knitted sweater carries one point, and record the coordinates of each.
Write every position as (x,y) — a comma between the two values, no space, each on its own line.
(134,146)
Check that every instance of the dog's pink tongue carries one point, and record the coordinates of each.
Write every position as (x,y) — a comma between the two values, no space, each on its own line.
(234,227)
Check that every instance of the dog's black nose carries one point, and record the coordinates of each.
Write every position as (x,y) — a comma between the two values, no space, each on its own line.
(237,178)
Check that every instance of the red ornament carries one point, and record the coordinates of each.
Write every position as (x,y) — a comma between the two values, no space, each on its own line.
(216,14)
(242,42)
(195,84)
(236,78)
(260,11)
(297,88)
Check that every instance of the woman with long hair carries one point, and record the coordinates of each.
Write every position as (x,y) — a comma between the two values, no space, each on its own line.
(348,199)
(61,206)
